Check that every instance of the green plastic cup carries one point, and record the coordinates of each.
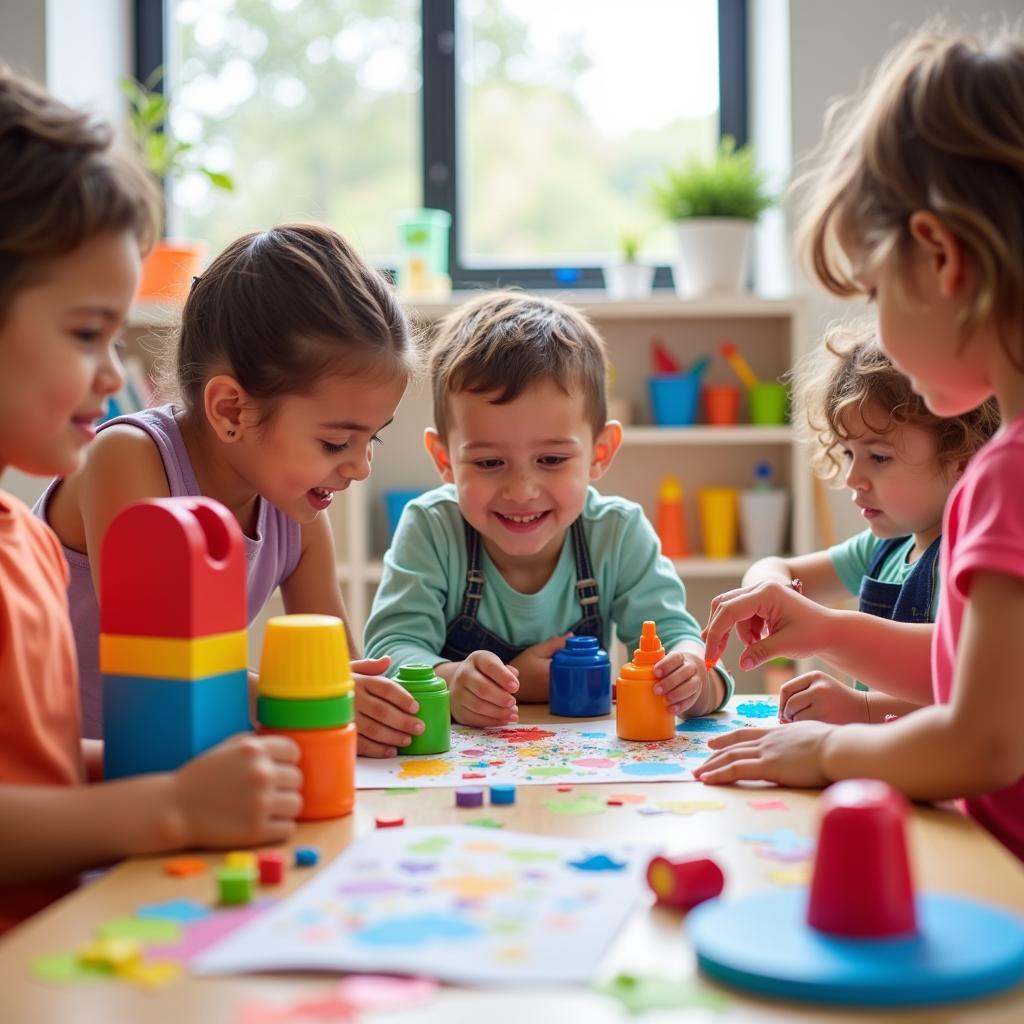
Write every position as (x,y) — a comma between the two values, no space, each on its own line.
(769,403)
(431,693)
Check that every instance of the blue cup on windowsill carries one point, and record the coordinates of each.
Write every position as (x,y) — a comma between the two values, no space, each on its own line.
(395,502)
(674,398)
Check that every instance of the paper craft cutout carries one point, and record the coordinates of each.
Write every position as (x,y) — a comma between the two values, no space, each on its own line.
(498,908)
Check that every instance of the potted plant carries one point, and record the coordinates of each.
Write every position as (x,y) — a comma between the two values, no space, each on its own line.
(713,205)
(629,278)
(168,270)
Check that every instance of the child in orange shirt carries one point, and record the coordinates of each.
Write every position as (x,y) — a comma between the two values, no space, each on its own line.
(74,218)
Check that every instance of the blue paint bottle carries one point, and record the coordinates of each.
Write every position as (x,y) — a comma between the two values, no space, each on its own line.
(580,679)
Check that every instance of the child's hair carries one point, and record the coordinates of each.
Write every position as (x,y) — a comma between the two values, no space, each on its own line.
(282,308)
(850,372)
(941,129)
(505,341)
(61,184)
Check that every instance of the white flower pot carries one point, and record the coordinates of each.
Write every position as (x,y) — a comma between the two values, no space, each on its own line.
(628,280)
(711,255)
(763,520)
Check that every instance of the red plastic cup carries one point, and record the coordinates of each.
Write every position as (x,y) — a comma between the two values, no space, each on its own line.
(861,887)
(682,884)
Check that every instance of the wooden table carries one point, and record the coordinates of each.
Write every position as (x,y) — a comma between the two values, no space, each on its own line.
(950,854)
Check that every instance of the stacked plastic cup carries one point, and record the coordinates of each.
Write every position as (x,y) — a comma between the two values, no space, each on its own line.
(305,693)
(431,693)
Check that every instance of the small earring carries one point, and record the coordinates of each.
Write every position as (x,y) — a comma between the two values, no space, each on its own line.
(231,433)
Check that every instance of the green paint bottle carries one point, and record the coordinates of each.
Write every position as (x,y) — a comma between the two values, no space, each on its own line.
(431,693)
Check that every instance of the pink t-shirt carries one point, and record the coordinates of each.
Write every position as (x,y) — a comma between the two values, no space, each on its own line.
(983,530)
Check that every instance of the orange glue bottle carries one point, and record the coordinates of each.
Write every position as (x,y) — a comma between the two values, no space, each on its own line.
(640,713)
(670,523)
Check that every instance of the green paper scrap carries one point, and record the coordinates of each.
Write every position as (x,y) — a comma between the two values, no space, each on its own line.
(66,967)
(582,804)
(532,856)
(641,993)
(486,823)
(432,844)
(151,929)
(398,791)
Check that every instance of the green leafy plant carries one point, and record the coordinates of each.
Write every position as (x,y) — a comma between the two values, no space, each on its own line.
(629,246)
(729,185)
(164,155)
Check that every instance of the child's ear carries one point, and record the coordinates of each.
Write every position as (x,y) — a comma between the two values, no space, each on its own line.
(942,250)
(606,444)
(228,407)
(438,452)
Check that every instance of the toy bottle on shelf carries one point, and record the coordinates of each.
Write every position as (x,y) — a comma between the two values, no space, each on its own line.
(670,521)
(580,679)
(306,693)
(763,513)
(431,693)
(642,714)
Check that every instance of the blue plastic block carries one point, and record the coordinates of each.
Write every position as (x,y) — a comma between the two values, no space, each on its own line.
(306,856)
(580,679)
(156,725)
(503,793)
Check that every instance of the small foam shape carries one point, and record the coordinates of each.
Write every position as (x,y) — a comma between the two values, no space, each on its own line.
(390,821)
(684,882)
(614,801)
(307,856)
(563,789)
(270,864)
(503,793)
(469,796)
(234,886)
(597,862)
(115,953)
(151,975)
(757,709)
(184,867)
(182,911)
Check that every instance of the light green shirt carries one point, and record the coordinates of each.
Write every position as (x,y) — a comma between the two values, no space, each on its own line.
(424,580)
(852,557)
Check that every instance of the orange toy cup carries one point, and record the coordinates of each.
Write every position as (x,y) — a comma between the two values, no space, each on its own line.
(640,713)
(328,762)
(722,405)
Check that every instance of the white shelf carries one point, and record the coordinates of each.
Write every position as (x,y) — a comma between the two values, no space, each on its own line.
(740,434)
(154,314)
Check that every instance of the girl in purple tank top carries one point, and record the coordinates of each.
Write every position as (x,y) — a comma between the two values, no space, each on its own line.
(292,356)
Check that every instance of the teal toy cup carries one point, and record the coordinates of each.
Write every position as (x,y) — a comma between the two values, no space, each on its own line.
(768,401)
(431,693)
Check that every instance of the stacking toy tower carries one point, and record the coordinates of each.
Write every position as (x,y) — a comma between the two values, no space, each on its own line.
(172,634)
(431,693)
(580,679)
(860,936)
(642,714)
(305,693)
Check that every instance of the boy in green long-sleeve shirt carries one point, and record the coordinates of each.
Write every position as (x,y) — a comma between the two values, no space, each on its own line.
(489,573)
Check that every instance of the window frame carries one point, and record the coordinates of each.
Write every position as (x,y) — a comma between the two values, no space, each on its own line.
(439,127)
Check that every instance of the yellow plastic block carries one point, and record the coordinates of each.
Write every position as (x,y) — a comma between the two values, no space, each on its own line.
(241,859)
(157,657)
(118,953)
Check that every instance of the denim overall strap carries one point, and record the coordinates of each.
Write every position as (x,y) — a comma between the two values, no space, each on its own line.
(466,635)
(909,601)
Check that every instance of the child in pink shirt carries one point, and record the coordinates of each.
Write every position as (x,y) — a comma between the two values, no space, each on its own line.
(919,207)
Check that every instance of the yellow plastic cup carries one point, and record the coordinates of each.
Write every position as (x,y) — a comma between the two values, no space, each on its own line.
(718,520)
(305,657)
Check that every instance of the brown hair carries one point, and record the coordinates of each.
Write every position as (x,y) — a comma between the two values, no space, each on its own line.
(849,371)
(505,341)
(61,183)
(279,309)
(941,129)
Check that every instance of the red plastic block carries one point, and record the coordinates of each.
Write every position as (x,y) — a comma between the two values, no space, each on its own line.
(173,567)
(861,887)
(271,867)
(390,821)
(682,884)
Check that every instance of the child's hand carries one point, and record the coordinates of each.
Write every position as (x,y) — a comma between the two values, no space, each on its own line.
(534,665)
(385,710)
(819,696)
(481,691)
(772,621)
(243,792)
(682,678)
(789,755)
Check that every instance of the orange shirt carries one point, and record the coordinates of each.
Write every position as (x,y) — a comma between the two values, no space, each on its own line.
(40,733)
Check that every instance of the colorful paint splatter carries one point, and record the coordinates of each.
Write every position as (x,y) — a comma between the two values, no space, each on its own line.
(478,909)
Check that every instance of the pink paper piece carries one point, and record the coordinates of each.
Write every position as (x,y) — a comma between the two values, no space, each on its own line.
(383,992)
(201,934)
(628,798)
(768,805)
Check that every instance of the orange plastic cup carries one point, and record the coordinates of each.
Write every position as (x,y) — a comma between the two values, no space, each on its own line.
(640,713)
(328,762)
(722,405)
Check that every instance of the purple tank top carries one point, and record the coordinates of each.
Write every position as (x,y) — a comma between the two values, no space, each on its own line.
(271,557)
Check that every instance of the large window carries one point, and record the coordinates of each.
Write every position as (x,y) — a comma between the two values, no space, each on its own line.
(537,123)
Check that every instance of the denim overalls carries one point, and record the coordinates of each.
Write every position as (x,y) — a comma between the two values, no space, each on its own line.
(466,635)
(909,601)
